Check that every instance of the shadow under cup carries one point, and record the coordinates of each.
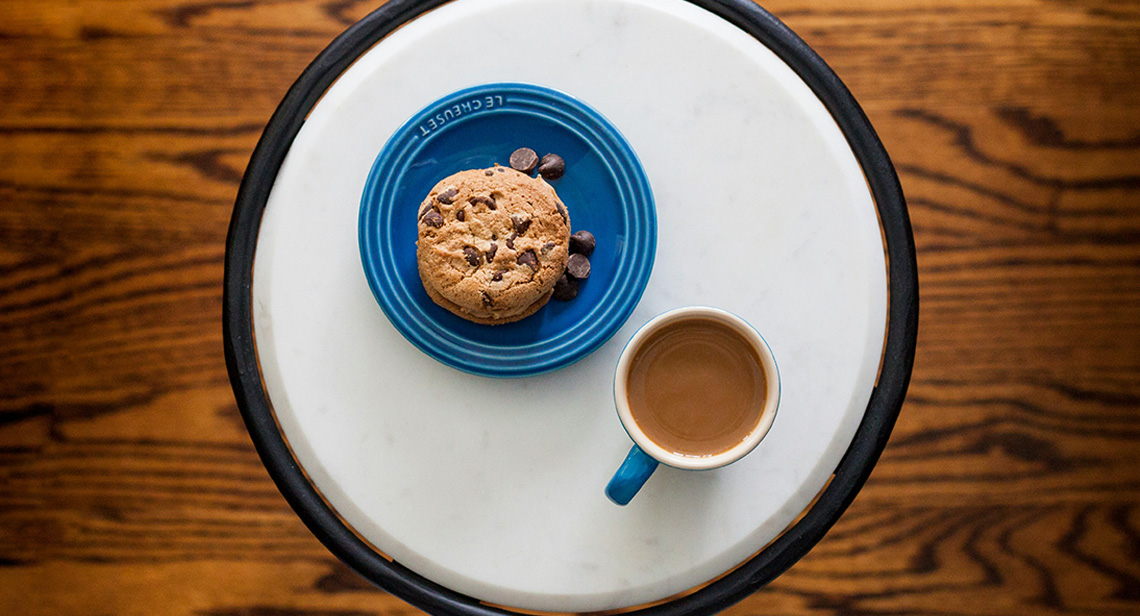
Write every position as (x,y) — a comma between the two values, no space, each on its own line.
(696,388)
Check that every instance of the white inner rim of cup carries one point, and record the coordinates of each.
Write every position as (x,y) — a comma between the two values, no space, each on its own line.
(767,361)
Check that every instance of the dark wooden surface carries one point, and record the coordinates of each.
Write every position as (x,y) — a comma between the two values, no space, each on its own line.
(129,486)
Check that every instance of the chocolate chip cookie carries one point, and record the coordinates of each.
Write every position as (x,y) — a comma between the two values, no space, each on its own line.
(492,243)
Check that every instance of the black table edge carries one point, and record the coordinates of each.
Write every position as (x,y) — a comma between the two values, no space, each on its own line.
(852,471)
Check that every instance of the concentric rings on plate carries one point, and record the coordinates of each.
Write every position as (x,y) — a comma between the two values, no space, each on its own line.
(604,188)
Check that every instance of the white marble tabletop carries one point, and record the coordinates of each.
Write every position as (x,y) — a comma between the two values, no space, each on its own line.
(494,488)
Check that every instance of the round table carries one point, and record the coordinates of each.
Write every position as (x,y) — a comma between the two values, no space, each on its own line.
(465,494)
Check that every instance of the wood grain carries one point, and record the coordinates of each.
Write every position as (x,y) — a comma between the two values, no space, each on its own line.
(129,486)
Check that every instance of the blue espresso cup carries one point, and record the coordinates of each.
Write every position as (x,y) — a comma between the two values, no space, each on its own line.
(646,454)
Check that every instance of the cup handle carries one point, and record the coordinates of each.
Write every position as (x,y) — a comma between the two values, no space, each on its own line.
(630,476)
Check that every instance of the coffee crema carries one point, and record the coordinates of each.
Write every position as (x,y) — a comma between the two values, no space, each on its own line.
(696,387)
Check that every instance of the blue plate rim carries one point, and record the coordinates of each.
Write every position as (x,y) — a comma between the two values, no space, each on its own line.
(631,274)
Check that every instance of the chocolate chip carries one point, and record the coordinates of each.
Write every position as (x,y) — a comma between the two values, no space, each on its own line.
(447,196)
(524,159)
(489,172)
(460,216)
(582,242)
(487,301)
(528,259)
(433,219)
(566,288)
(547,247)
(563,212)
(552,167)
(511,241)
(491,251)
(578,266)
(521,224)
(498,275)
(487,201)
(500,169)
(424,210)
(473,257)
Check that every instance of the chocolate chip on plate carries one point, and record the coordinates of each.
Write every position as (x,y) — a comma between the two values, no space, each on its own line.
(582,242)
(528,259)
(565,289)
(578,266)
(524,159)
(552,167)
(447,196)
(472,256)
(433,219)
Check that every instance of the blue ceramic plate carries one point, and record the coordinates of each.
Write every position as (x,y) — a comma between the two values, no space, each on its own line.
(604,188)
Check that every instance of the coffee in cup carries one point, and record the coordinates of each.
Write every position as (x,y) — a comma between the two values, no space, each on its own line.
(696,388)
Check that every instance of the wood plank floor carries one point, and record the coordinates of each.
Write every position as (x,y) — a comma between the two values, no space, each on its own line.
(128,484)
